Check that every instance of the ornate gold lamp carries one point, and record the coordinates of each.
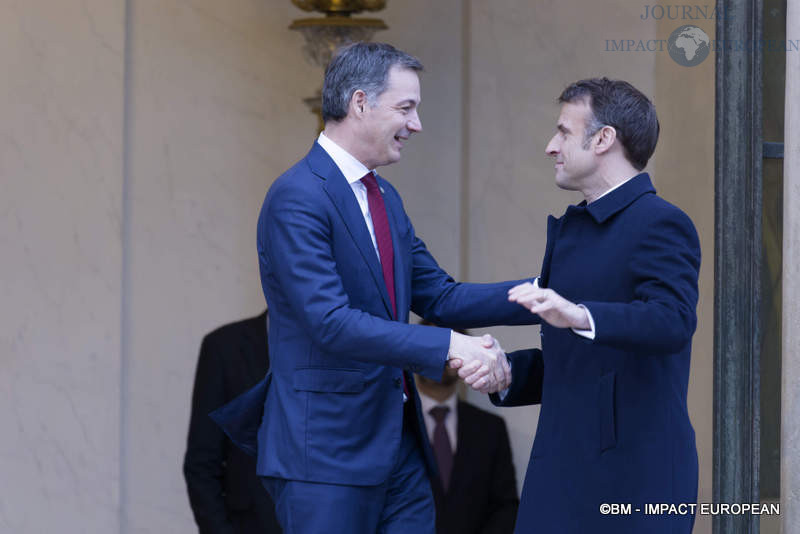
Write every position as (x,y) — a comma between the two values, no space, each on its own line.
(324,35)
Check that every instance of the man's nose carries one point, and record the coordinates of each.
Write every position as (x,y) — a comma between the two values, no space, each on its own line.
(414,124)
(551,149)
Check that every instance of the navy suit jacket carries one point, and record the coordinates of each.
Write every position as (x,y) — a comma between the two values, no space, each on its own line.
(333,402)
(614,425)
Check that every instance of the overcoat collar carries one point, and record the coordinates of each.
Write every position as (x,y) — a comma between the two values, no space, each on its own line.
(600,210)
(620,198)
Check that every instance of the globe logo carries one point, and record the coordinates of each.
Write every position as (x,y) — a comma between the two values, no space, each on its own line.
(688,46)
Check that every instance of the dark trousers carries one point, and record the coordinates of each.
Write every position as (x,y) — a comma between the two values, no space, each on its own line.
(401,505)
(257,520)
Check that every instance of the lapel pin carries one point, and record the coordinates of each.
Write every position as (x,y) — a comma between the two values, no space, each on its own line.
(382,191)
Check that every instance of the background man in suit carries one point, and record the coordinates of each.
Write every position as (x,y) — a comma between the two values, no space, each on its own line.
(339,447)
(613,372)
(226,495)
(475,491)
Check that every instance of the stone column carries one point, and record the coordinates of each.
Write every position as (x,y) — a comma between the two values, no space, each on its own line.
(790,409)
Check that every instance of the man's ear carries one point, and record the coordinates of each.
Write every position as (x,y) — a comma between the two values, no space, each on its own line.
(605,139)
(358,103)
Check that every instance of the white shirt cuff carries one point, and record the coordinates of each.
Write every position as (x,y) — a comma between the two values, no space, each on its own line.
(590,333)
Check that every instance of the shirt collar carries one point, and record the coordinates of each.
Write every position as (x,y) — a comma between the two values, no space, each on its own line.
(615,187)
(620,197)
(428,402)
(352,169)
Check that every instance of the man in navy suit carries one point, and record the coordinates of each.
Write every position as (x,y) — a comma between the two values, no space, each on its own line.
(617,296)
(340,447)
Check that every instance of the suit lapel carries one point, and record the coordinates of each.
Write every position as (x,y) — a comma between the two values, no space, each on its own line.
(341,194)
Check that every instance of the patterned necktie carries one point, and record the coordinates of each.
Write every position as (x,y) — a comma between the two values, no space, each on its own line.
(441,445)
(380,222)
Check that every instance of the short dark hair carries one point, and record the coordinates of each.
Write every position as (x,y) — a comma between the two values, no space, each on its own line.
(362,66)
(618,104)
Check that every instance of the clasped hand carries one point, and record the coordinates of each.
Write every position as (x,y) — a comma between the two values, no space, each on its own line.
(480,361)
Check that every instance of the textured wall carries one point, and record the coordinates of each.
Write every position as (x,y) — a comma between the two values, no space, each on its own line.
(684,175)
(215,116)
(60,236)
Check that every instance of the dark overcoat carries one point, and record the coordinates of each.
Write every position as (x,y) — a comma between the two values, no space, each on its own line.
(614,426)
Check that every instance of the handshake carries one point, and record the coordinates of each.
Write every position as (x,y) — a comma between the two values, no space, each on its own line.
(480,361)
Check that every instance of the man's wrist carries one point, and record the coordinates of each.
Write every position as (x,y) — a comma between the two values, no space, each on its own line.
(589,331)
(453,352)
(581,318)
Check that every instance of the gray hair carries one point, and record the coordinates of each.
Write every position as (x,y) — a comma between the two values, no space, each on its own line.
(362,66)
(592,127)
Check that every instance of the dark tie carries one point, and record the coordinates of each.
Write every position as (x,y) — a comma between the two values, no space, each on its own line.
(380,222)
(441,445)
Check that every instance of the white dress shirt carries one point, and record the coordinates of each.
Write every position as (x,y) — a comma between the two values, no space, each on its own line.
(353,170)
(450,422)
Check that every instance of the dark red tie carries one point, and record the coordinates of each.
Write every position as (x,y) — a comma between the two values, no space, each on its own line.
(383,236)
(380,223)
(441,445)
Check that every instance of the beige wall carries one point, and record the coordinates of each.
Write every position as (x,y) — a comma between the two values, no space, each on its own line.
(131,234)
(214,117)
(684,175)
(60,288)
(430,173)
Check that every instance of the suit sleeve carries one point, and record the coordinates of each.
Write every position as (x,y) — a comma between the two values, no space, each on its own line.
(527,374)
(203,465)
(295,248)
(503,500)
(443,301)
(662,317)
